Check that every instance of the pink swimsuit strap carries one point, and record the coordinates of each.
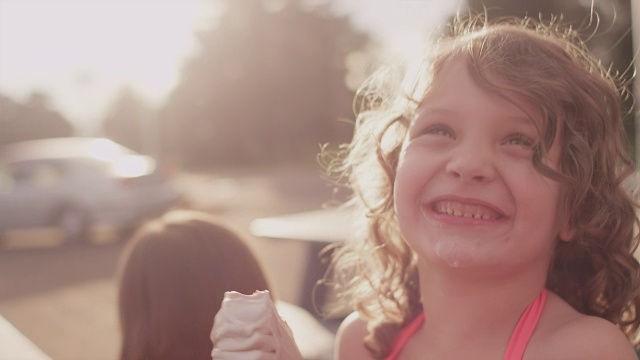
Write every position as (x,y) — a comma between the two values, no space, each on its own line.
(519,337)
(404,335)
(525,328)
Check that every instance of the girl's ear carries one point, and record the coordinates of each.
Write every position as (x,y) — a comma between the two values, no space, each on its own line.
(567,232)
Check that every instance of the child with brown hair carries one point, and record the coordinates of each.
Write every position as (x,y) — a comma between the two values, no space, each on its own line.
(172,278)
(496,224)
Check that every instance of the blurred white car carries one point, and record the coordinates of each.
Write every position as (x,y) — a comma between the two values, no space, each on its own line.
(75,184)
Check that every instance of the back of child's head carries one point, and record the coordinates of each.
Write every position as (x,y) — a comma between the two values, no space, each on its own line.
(579,101)
(173,275)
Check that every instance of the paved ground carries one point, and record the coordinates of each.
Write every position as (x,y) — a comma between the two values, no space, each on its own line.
(63,299)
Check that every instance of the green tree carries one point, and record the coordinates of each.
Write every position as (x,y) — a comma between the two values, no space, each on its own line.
(267,84)
(34,119)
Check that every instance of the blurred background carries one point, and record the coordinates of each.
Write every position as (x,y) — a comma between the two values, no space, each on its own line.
(235,97)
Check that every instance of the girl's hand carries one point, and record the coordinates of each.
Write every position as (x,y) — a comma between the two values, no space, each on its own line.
(248,327)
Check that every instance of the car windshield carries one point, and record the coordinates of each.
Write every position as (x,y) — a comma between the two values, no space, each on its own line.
(95,148)
(99,153)
(123,166)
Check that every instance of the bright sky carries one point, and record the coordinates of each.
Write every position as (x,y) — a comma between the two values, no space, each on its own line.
(82,51)
(400,23)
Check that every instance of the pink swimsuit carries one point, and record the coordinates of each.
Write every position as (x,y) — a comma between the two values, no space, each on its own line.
(517,344)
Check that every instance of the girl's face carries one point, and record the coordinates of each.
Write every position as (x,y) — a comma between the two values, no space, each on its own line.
(466,192)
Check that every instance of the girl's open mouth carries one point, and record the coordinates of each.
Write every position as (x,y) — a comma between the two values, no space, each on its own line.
(461,210)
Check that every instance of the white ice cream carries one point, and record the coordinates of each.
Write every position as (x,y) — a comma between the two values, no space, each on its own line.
(248,327)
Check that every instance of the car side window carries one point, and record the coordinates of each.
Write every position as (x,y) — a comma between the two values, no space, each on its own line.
(6,180)
(20,173)
(40,174)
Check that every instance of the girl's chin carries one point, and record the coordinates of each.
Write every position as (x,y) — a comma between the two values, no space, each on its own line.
(457,253)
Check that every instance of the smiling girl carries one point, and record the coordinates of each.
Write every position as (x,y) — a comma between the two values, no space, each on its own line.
(495,223)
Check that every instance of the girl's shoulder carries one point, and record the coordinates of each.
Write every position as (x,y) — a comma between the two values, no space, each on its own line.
(350,338)
(564,333)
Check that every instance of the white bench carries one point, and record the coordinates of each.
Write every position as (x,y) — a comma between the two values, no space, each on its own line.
(15,346)
(316,229)
(323,226)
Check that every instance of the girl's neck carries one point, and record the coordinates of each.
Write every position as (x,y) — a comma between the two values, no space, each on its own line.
(465,306)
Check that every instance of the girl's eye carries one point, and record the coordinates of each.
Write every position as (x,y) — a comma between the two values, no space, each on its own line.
(441,130)
(521,140)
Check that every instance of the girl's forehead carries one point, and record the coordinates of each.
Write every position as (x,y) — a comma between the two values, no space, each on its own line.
(449,80)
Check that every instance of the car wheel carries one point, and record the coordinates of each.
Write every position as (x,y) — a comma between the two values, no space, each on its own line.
(73,222)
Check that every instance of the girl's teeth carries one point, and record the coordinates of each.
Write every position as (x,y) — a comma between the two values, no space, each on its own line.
(456,210)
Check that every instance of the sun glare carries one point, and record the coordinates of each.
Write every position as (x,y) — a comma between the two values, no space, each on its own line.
(402,26)
(133,166)
(82,51)
(105,149)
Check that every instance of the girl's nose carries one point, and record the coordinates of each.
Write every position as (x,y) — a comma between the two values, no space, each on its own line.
(471,163)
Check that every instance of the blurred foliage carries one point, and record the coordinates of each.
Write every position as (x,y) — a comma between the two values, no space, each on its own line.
(268,84)
(605,25)
(33,119)
(129,121)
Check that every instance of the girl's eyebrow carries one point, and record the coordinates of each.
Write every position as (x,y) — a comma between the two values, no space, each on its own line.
(433,110)
(437,110)
(428,107)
